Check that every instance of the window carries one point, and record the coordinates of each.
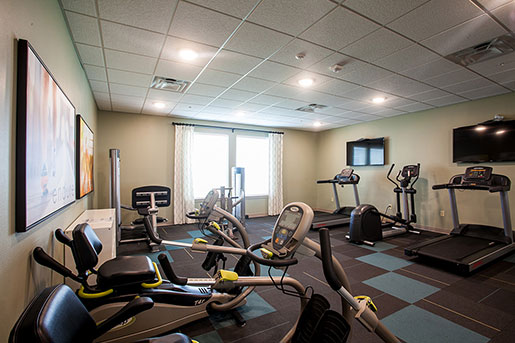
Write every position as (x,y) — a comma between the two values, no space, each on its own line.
(252,154)
(210,162)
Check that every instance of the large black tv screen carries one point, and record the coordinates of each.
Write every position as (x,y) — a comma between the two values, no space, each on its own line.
(366,152)
(487,142)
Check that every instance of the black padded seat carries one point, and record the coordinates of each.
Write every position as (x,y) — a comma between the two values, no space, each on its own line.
(125,271)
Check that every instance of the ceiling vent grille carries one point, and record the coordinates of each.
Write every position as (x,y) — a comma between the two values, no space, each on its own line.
(169,84)
(311,108)
(494,48)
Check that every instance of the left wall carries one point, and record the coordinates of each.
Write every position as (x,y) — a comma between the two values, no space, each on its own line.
(43,25)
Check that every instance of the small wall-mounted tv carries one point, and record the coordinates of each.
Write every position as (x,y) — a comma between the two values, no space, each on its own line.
(366,152)
(492,141)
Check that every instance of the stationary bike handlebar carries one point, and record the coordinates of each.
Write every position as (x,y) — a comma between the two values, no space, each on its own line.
(268,262)
(327,260)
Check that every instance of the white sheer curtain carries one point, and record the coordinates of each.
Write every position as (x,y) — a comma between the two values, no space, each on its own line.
(275,184)
(183,199)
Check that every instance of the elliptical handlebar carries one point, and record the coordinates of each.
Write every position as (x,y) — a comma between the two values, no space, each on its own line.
(268,262)
(388,175)
(416,178)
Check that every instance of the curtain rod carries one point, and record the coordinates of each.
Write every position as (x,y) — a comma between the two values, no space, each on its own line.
(227,128)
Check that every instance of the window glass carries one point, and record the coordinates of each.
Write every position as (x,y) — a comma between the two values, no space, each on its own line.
(210,162)
(252,154)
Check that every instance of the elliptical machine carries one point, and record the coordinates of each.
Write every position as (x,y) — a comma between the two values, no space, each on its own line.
(366,225)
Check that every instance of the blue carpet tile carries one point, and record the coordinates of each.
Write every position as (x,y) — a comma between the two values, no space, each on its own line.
(384,261)
(401,287)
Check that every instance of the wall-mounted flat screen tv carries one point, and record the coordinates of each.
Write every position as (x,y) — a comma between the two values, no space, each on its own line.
(366,152)
(487,142)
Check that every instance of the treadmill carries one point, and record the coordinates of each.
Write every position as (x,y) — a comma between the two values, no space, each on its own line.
(470,246)
(341,215)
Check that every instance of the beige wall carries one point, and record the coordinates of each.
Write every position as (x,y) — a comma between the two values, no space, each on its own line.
(42,24)
(146,146)
(424,137)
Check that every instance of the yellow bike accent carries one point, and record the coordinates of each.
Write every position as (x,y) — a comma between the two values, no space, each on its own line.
(199,241)
(226,275)
(368,300)
(266,253)
(85,295)
(159,279)
(215,225)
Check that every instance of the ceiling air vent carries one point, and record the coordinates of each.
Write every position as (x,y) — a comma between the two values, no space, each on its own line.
(494,48)
(169,84)
(311,108)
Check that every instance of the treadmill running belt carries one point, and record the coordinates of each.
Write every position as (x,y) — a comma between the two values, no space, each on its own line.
(455,247)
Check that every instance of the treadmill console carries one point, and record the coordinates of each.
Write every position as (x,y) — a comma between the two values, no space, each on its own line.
(411,170)
(209,202)
(290,229)
(480,175)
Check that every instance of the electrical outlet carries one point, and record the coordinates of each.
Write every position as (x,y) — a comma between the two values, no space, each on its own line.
(442,213)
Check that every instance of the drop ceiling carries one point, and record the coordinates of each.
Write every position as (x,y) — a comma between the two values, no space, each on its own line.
(247,72)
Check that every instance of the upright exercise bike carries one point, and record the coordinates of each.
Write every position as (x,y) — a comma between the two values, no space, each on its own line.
(366,225)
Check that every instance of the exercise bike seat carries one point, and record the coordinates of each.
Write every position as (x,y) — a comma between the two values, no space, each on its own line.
(118,272)
(57,315)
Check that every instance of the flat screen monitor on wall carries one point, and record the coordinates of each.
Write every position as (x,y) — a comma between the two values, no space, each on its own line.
(366,152)
(492,141)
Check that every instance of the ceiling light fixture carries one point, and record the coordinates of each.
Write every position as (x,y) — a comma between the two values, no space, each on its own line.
(300,56)
(240,114)
(336,68)
(158,105)
(188,54)
(306,82)
(317,124)
(378,100)
(500,132)
(480,128)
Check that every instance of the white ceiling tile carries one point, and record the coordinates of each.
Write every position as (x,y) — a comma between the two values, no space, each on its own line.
(411,87)
(383,11)
(203,89)
(509,84)
(81,6)
(415,107)
(239,95)
(234,62)
(445,100)
(173,46)
(506,14)
(366,73)
(150,108)
(491,4)
(468,85)
(218,78)
(103,105)
(434,17)
(151,15)
(407,58)
(495,65)
(504,76)
(329,31)
(123,103)
(127,90)
(237,8)
(250,107)
(398,84)
(291,104)
(176,70)
(290,16)
(95,73)
(158,94)
(336,87)
(182,114)
(128,78)
(256,40)
(130,62)
(364,94)
(226,103)
(84,29)
(312,54)
(202,25)
(470,33)
(253,84)
(353,105)
(265,99)
(273,71)
(333,111)
(285,91)
(398,102)
(317,79)
(216,110)
(431,69)
(102,96)
(90,54)
(428,95)
(349,64)
(196,99)
(377,45)
(361,116)
(484,92)
(188,107)
(129,39)
(451,78)
(98,86)
(388,112)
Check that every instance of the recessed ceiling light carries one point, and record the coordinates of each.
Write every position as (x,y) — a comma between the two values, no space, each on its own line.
(240,114)
(158,105)
(378,100)
(188,54)
(317,124)
(500,132)
(480,128)
(306,82)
